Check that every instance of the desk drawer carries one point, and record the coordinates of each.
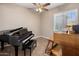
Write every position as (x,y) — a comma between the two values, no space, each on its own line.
(65,39)
(68,51)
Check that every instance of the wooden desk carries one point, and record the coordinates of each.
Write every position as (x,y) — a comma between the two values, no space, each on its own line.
(69,43)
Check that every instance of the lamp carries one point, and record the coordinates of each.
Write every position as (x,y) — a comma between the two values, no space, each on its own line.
(69,27)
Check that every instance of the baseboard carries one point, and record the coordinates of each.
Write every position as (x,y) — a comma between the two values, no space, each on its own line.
(5,45)
(41,37)
(36,37)
(45,37)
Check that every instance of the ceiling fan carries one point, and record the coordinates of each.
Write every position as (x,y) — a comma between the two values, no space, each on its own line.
(41,6)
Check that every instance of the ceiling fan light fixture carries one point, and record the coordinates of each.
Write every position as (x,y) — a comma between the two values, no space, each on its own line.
(41,7)
(39,10)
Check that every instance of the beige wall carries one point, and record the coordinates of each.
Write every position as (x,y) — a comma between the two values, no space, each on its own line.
(13,16)
(47,18)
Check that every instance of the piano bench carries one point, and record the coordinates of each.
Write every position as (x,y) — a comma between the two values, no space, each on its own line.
(30,45)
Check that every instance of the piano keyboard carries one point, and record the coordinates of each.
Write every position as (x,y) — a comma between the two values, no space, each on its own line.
(27,39)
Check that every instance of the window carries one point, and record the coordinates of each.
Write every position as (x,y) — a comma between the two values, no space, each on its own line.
(65,18)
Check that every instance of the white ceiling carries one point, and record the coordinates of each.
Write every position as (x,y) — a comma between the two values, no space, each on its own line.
(30,5)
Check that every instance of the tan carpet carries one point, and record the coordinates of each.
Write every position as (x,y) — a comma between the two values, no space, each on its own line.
(38,51)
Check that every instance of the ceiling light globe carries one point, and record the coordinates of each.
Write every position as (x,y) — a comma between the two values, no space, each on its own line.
(37,10)
(40,10)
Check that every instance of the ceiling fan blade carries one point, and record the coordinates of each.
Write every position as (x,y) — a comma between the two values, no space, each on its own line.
(45,9)
(37,4)
(34,3)
(46,4)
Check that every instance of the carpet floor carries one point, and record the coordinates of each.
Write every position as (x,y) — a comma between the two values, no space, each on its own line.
(38,51)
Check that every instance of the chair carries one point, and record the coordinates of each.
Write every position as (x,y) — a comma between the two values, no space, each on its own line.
(48,50)
(55,48)
(57,51)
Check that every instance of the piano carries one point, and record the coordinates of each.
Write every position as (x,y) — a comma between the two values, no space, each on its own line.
(16,37)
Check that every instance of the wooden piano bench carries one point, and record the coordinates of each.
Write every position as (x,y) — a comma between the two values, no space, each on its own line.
(30,45)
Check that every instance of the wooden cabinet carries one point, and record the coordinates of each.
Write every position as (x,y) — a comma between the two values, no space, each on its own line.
(69,43)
